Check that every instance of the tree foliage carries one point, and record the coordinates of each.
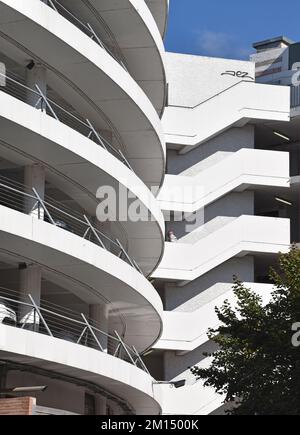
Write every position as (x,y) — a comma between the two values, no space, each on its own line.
(256,365)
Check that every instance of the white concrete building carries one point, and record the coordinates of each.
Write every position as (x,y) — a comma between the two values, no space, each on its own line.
(107,313)
(83,89)
(228,166)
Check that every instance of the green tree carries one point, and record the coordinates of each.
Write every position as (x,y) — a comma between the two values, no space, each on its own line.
(256,364)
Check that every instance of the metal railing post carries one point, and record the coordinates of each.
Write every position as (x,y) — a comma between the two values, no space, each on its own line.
(50,2)
(94,34)
(82,335)
(86,233)
(94,232)
(125,160)
(40,315)
(125,348)
(55,108)
(66,325)
(46,102)
(125,253)
(141,360)
(35,321)
(97,135)
(43,205)
(24,320)
(92,332)
(117,349)
(137,267)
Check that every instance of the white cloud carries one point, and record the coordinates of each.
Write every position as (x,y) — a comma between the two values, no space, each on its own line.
(219,44)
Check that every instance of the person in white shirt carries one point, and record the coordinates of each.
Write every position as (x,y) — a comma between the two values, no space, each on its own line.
(171,236)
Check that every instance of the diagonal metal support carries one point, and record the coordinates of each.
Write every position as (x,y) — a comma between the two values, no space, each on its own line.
(40,100)
(50,2)
(40,315)
(82,335)
(125,253)
(125,160)
(138,267)
(24,322)
(94,232)
(125,348)
(141,360)
(92,332)
(86,233)
(96,134)
(94,35)
(46,102)
(117,349)
(43,205)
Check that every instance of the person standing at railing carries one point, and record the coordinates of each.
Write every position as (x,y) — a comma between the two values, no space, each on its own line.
(171,237)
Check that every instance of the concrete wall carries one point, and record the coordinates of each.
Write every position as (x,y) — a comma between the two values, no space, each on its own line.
(197,293)
(230,141)
(57,395)
(233,205)
(193,80)
(198,253)
(60,395)
(205,75)
(194,398)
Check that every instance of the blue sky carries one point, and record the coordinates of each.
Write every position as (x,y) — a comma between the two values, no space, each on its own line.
(227,28)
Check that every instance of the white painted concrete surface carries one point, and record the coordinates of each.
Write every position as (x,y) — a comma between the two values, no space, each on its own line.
(245,234)
(187,127)
(104,278)
(247,168)
(60,356)
(88,77)
(186,331)
(79,166)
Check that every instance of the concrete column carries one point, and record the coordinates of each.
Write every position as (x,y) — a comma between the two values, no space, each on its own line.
(30,283)
(34,176)
(99,314)
(3,375)
(101,403)
(36,74)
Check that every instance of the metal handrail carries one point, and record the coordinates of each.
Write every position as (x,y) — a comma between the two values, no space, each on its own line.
(81,331)
(214,96)
(20,91)
(13,195)
(85,27)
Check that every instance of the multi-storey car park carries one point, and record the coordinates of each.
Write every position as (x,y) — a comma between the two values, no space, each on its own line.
(106,314)
(212,126)
(83,91)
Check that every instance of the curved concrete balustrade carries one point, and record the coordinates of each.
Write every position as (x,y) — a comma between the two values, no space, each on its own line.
(79,166)
(198,253)
(188,127)
(86,76)
(186,331)
(64,358)
(160,10)
(132,26)
(76,261)
(247,168)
